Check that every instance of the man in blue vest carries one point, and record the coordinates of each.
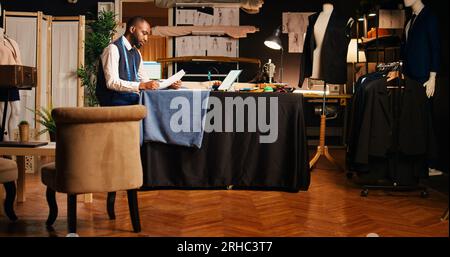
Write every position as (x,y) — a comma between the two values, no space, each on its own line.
(121,75)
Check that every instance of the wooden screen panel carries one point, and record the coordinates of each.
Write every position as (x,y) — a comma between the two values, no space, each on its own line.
(154,49)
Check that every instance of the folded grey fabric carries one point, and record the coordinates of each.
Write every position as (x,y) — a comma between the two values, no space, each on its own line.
(174,117)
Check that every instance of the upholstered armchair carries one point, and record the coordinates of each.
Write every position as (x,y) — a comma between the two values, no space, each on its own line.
(8,176)
(97,150)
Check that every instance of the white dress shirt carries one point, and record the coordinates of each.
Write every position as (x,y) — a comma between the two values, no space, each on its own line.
(110,61)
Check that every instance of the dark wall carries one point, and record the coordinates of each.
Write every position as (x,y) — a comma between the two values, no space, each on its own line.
(52,7)
(270,17)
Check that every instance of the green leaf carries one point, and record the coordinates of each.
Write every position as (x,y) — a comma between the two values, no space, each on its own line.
(99,33)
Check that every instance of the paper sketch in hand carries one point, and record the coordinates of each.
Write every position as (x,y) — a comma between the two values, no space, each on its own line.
(295,24)
(166,83)
(226,16)
(392,19)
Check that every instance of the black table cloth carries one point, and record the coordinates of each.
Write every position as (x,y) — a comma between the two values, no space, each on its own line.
(236,159)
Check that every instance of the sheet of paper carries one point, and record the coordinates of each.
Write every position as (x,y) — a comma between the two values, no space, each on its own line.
(166,83)
(229,80)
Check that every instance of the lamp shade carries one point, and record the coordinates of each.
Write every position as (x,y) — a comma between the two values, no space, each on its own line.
(353,52)
(274,41)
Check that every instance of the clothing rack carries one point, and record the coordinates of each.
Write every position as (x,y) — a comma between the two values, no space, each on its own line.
(397,92)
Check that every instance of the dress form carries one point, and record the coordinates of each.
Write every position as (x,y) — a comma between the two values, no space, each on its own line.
(10,55)
(319,33)
(417,6)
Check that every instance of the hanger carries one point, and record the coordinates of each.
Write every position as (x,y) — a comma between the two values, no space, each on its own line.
(392,75)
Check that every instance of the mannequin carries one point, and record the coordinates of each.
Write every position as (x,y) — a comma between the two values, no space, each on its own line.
(325,49)
(319,33)
(421,60)
(425,24)
(325,58)
(9,55)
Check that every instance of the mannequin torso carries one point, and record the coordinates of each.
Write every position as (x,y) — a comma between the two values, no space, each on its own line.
(9,50)
(9,55)
(319,33)
(417,7)
(325,50)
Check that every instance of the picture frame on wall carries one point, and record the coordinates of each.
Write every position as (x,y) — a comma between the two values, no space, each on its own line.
(105,6)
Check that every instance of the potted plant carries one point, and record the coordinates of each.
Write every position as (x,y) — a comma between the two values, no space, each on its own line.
(99,33)
(24,131)
(45,119)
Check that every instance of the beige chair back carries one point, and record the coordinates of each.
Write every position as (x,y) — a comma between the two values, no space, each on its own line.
(98,149)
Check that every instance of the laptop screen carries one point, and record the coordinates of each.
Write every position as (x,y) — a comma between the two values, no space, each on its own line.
(230,79)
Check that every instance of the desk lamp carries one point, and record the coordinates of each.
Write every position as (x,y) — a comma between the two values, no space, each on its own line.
(274,42)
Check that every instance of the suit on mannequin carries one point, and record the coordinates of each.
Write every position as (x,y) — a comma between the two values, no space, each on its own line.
(325,49)
(9,55)
(421,58)
(421,47)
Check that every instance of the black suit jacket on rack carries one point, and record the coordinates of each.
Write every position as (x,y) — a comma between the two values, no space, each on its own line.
(375,135)
(421,52)
(334,50)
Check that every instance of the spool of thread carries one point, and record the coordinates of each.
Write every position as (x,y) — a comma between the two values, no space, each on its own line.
(268,89)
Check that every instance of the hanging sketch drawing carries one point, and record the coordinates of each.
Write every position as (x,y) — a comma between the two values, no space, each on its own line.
(203,19)
(186,17)
(226,16)
(191,46)
(392,19)
(295,24)
(221,46)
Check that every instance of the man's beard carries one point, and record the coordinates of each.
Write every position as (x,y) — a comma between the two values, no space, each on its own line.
(135,41)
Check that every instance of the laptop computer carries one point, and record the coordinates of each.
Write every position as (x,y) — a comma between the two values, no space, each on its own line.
(229,80)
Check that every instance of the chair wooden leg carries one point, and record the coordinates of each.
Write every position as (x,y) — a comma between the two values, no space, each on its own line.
(72,213)
(445,215)
(10,188)
(134,210)
(110,201)
(50,194)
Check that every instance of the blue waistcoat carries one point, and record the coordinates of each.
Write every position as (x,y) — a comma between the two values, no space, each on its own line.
(108,97)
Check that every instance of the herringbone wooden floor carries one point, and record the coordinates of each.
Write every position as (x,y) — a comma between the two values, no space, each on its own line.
(332,207)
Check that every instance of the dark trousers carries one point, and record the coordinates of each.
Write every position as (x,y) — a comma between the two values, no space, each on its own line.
(118,99)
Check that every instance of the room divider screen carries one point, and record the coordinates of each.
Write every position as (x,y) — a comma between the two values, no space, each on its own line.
(55,46)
